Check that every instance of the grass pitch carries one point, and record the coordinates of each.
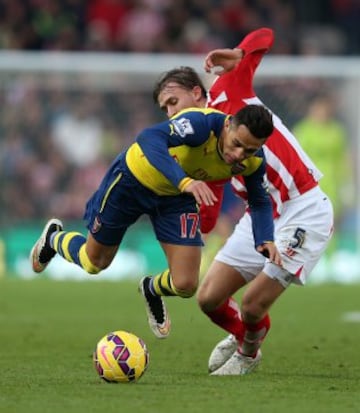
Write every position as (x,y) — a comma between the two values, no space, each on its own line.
(49,329)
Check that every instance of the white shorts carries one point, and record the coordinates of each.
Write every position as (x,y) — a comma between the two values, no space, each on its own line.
(302,233)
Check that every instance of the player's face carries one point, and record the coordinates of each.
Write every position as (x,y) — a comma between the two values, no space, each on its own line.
(173,98)
(238,144)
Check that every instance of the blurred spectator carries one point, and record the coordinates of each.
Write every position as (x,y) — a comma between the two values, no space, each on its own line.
(15,26)
(77,132)
(57,26)
(347,17)
(105,19)
(315,40)
(324,138)
(142,29)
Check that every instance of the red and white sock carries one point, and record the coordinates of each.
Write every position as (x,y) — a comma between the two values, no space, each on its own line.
(249,336)
(252,335)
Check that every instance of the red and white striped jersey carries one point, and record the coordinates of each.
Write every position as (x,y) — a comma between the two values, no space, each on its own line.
(290,172)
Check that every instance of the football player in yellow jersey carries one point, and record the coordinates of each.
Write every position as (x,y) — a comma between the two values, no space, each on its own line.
(163,174)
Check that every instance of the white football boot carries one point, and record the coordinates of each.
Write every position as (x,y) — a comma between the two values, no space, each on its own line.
(222,352)
(238,365)
(158,316)
(42,253)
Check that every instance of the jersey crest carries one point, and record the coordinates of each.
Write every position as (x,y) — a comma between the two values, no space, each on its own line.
(238,169)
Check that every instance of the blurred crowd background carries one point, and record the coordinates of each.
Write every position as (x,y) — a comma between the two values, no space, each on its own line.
(181,26)
(56,142)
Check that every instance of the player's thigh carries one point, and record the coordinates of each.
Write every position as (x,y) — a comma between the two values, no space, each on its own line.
(220,282)
(176,225)
(239,251)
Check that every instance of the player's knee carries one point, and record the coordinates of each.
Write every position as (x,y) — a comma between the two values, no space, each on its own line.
(185,288)
(90,267)
(206,301)
(90,264)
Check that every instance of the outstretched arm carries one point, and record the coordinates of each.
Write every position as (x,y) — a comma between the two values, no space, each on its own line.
(225,59)
(259,40)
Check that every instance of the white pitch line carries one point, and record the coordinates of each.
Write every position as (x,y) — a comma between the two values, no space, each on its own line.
(351,317)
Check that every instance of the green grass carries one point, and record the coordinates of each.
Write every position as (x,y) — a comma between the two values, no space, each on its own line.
(48,330)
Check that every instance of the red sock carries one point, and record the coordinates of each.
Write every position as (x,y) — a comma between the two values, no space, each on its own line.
(249,336)
(227,316)
(252,335)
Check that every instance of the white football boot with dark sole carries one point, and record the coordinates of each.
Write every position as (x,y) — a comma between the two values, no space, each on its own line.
(158,316)
(41,253)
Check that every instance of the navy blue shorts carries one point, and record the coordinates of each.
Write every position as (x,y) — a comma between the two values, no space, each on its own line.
(121,199)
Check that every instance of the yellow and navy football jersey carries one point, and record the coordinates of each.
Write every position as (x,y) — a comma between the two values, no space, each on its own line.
(150,176)
(165,156)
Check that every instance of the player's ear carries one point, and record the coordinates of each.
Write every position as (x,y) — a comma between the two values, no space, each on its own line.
(197,92)
(227,122)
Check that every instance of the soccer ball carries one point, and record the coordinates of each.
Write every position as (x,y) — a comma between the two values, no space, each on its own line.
(120,357)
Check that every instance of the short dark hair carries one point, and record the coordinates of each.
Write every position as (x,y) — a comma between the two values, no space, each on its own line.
(185,76)
(257,118)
